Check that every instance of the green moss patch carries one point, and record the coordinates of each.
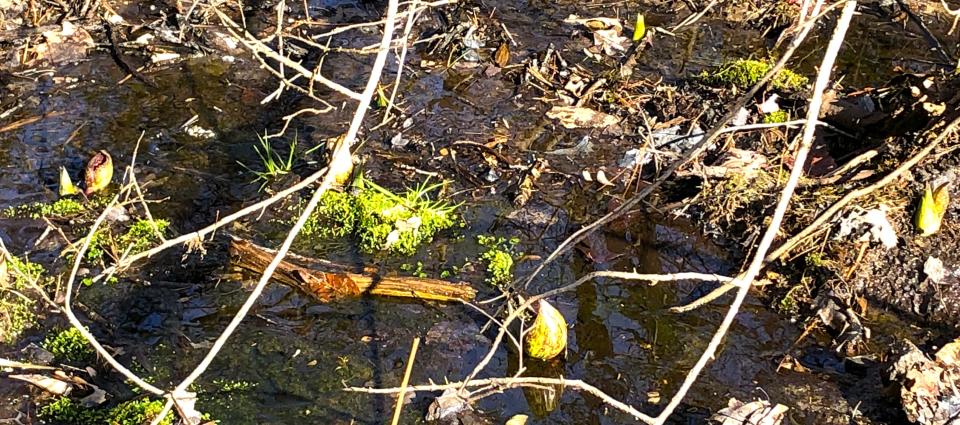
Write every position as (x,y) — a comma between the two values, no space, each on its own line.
(16,301)
(134,412)
(381,220)
(499,258)
(746,73)
(69,346)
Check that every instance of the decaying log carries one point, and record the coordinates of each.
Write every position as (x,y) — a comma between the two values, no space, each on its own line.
(327,281)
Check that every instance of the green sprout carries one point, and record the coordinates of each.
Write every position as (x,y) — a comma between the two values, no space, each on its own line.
(748,72)
(68,346)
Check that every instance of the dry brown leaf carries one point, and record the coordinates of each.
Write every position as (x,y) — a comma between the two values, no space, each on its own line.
(580,117)
(48,384)
(502,56)
(753,413)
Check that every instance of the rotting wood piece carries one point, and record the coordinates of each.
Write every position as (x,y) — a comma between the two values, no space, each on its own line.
(328,281)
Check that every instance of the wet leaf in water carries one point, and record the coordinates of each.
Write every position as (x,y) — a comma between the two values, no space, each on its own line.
(548,334)
(579,117)
(66,184)
(99,173)
(933,206)
(502,56)
(517,420)
(753,413)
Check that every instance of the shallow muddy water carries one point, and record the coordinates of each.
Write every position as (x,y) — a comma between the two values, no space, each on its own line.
(292,356)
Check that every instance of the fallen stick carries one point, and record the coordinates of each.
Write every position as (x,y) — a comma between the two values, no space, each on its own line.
(329,281)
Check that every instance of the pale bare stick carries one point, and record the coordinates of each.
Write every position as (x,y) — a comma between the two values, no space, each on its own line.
(406,379)
(695,17)
(75,322)
(401,59)
(311,205)
(829,213)
(515,382)
(694,151)
(256,46)
(813,111)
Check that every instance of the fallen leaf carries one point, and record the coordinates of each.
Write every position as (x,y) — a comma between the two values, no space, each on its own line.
(96,398)
(606,33)
(580,117)
(502,55)
(517,420)
(754,413)
(447,405)
(739,162)
(48,384)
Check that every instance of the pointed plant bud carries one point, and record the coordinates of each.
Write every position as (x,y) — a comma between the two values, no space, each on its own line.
(341,164)
(933,206)
(99,173)
(547,337)
(66,185)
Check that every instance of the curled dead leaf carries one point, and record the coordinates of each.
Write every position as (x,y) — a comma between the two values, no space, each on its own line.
(580,117)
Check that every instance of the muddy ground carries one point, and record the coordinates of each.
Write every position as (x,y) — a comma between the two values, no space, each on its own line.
(482,126)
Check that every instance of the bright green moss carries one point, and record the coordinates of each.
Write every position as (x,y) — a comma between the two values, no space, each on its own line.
(399,224)
(745,73)
(143,234)
(69,346)
(499,258)
(381,220)
(63,207)
(775,117)
(134,412)
(334,217)
(16,304)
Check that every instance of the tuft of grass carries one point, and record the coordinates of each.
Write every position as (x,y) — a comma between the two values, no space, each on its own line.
(134,412)
(745,73)
(499,257)
(16,307)
(273,164)
(68,346)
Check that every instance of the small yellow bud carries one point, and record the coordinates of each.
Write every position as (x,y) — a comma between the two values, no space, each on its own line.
(933,206)
(66,185)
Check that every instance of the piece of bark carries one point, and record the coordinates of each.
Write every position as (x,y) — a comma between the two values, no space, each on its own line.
(328,281)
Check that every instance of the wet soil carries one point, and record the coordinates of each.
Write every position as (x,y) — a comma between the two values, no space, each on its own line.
(298,354)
